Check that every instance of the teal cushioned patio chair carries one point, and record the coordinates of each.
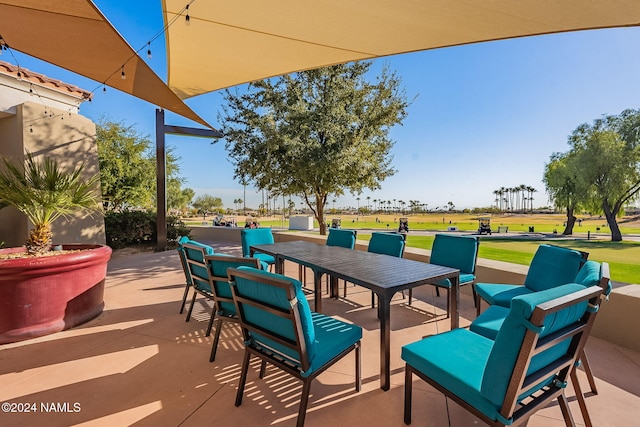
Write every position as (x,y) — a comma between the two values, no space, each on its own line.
(342,238)
(183,253)
(391,244)
(551,266)
(592,273)
(459,252)
(209,277)
(279,328)
(504,381)
(220,291)
(257,236)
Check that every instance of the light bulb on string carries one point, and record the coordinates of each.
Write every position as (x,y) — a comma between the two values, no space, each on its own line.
(123,76)
(30,129)
(149,50)
(187,18)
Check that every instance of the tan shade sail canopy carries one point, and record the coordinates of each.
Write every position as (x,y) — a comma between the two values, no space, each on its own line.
(232,42)
(74,35)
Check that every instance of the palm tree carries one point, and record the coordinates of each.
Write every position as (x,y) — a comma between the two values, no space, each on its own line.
(44,192)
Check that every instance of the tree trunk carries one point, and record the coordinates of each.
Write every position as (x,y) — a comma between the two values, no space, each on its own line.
(320,216)
(616,235)
(571,220)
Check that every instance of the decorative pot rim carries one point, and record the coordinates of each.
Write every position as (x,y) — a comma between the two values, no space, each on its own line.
(86,255)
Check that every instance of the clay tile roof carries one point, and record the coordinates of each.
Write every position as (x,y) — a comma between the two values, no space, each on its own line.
(42,80)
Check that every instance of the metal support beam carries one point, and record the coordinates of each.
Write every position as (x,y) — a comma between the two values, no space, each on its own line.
(161,168)
(161,182)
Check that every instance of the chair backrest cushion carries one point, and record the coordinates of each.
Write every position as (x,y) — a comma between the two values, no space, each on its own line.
(552,266)
(342,238)
(196,251)
(502,359)
(275,296)
(218,265)
(458,252)
(387,244)
(254,236)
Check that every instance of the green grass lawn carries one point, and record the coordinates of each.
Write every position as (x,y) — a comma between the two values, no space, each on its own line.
(623,257)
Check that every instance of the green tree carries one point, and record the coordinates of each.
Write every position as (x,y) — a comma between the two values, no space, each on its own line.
(177,197)
(127,171)
(564,186)
(206,204)
(315,133)
(609,154)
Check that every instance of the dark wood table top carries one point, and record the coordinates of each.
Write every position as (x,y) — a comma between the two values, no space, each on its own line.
(377,272)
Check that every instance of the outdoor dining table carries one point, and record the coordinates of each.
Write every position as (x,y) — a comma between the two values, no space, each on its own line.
(383,274)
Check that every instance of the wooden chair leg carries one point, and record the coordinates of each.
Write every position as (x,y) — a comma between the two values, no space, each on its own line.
(263,369)
(243,378)
(358,367)
(193,301)
(214,347)
(184,297)
(408,389)
(448,307)
(213,316)
(566,413)
(410,295)
(580,398)
(473,292)
(587,370)
(304,401)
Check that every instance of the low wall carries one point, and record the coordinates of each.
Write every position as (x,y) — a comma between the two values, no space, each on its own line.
(616,321)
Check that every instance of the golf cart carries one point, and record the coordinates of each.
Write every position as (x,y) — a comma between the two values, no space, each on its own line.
(484,226)
(336,223)
(404,225)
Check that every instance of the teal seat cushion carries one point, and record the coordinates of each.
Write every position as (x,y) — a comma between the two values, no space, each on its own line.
(342,238)
(456,360)
(265,259)
(462,280)
(500,294)
(510,336)
(333,336)
(278,325)
(552,266)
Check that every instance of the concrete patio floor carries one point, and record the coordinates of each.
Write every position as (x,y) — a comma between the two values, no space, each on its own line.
(139,363)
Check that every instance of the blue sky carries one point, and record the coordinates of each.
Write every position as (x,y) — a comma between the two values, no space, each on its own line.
(485,116)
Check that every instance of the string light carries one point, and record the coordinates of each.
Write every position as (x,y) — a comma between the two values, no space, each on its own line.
(122,75)
(149,50)
(187,18)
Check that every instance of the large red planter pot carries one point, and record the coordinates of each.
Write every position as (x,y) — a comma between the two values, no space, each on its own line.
(40,296)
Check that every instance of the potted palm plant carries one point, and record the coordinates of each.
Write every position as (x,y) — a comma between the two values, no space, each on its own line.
(45,288)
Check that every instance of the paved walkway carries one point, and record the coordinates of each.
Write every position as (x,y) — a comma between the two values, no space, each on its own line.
(140,363)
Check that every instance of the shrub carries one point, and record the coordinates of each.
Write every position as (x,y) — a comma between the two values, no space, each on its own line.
(129,228)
